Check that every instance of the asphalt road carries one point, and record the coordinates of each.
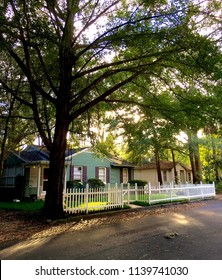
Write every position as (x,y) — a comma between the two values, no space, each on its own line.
(198,236)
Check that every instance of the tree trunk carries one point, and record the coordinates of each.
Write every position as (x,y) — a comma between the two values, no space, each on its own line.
(194,156)
(214,149)
(174,167)
(159,175)
(54,194)
(193,168)
(198,166)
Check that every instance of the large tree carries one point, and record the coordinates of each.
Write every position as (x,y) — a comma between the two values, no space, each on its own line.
(73,54)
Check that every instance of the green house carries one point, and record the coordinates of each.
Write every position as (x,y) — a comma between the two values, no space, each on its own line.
(85,164)
(28,169)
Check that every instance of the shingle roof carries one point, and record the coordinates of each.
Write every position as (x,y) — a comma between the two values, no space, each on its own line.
(164,165)
(119,162)
(30,156)
(113,160)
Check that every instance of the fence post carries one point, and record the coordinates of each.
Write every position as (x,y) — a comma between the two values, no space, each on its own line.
(188,191)
(109,193)
(121,195)
(214,189)
(202,191)
(73,197)
(64,200)
(87,199)
(149,192)
(128,195)
(136,192)
(170,193)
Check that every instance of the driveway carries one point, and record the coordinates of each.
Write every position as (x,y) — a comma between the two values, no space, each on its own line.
(188,232)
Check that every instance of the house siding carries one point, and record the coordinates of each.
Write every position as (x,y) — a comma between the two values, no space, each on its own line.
(150,175)
(146,175)
(93,162)
(115,176)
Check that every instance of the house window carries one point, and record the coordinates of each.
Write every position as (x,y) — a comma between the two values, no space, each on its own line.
(165,176)
(78,173)
(125,175)
(102,174)
(8,176)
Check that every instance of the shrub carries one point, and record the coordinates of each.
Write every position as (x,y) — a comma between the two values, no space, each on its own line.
(95,183)
(218,187)
(74,185)
(140,183)
(19,190)
(6,194)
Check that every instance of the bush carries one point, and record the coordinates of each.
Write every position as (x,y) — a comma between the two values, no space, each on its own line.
(95,183)
(140,183)
(74,185)
(19,191)
(218,187)
(7,194)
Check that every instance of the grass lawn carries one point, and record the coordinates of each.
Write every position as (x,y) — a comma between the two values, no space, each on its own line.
(145,197)
(94,206)
(141,199)
(23,206)
(91,205)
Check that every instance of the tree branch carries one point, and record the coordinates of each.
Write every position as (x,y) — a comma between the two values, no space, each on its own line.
(102,97)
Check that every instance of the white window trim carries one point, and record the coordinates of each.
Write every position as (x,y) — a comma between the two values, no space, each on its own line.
(102,168)
(81,172)
(127,175)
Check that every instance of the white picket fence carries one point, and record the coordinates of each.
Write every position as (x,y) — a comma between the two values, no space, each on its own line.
(92,199)
(181,192)
(110,197)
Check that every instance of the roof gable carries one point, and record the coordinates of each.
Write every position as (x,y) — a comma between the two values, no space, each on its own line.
(33,156)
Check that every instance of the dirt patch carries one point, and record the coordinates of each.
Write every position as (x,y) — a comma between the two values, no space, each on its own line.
(16,226)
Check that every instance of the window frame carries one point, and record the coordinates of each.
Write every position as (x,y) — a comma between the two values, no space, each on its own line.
(103,177)
(80,176)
